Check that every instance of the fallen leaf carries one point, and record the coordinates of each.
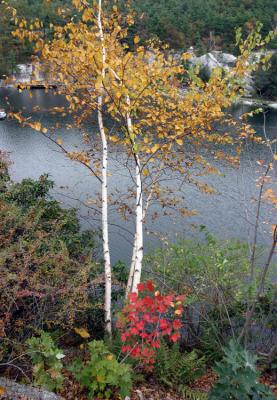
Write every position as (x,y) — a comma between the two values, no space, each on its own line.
(82,332)
(2,390)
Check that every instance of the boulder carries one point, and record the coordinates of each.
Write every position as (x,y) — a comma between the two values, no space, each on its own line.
(207,60)
(12,390)
(214,59)
(227,59)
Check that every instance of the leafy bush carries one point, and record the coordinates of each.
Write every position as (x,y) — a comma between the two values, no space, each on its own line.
(147,318)
(46,361)
(45,263)
(238,376)
(204,266)
(266,80)
(101,374)
(4,172)
(176,369)
(121,271)
(215,276)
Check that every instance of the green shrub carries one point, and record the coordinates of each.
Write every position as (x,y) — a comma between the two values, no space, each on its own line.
(174,368)
(238,376)
(215,274)
(266,80)
(45,263)
(102,374)
(204,266)
(46,361)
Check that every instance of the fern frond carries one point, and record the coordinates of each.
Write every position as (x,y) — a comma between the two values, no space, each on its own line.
(191,394)
(175,368)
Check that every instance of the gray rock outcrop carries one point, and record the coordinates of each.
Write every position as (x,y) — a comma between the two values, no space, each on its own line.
(16,391)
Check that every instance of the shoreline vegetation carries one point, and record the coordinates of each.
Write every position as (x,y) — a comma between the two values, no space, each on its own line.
(31,76)
(196,318)
(209,271)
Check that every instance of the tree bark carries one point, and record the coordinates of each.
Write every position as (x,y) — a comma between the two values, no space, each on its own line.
(132,268)
(105,227)
(139,229)
(136,263)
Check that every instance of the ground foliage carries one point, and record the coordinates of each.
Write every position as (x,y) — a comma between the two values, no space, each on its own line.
(46,360)
(177,369)
(238,376)
(101,373)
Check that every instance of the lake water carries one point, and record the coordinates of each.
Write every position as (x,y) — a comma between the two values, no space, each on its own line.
(230,213)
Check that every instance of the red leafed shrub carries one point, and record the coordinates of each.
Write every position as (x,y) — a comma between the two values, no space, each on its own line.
(146,318)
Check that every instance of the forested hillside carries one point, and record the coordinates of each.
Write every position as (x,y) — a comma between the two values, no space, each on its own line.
(205,24)
(11,51)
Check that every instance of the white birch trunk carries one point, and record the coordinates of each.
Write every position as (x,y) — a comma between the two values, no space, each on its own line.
(136,264)
(139,229)
(132,267)
(105,230)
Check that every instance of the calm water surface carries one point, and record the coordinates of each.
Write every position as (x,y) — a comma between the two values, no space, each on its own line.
(229,213)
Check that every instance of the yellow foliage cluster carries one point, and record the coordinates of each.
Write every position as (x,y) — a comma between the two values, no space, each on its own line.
(143,83)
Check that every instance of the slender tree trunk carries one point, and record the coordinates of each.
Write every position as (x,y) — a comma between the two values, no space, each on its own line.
(139,229)
(132,268)
(105,230)
(135,248)
(136,263)
(254,247)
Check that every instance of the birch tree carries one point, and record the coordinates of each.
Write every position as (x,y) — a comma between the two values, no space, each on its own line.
(105,225)
(67,74)
(139,87)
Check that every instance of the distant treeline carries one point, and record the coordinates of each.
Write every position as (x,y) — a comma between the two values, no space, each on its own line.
(204,24)
(11,51)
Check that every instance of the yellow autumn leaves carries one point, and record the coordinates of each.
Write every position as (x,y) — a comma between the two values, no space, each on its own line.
(87,15)
(82,332)
(142,83)
(34,125)
(37,126)
(148,77)
(271,196)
